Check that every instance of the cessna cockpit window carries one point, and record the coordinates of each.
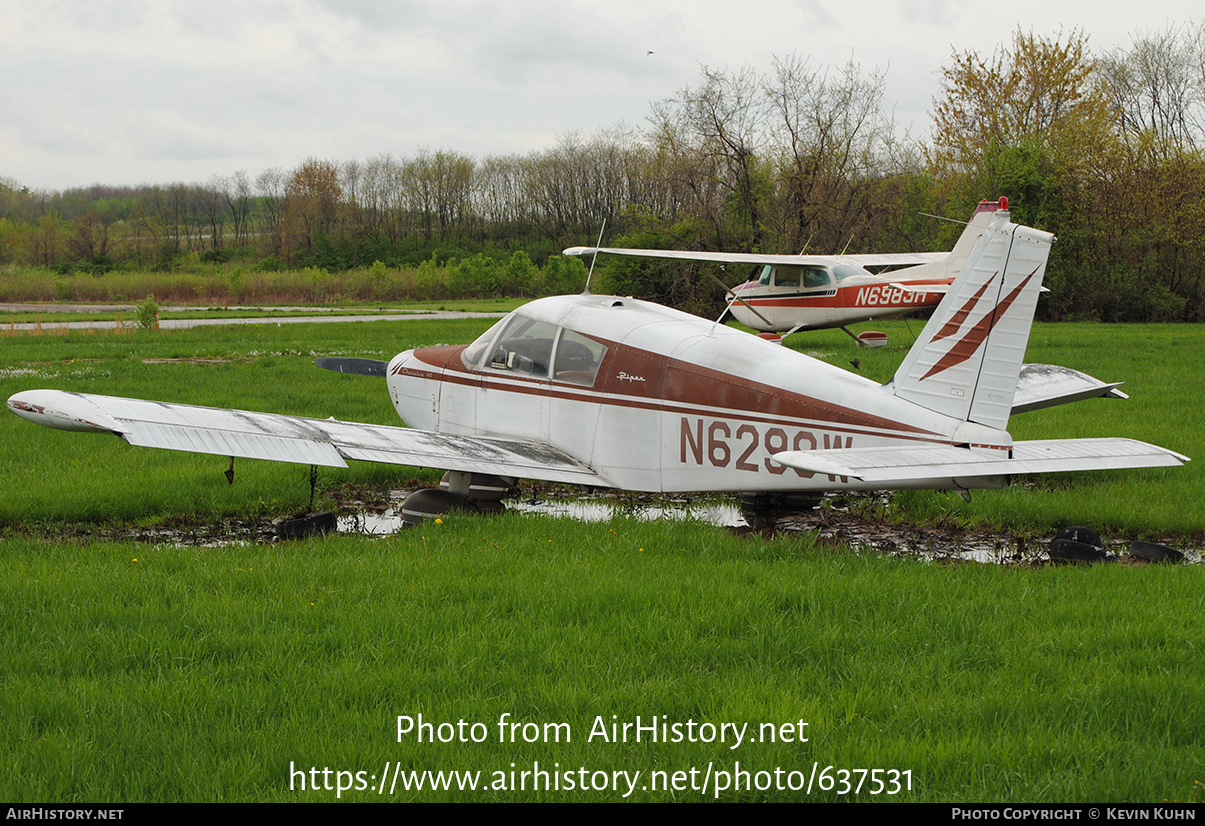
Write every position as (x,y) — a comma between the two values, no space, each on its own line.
(843,271)
(786,277)
(815,277)
(765,276)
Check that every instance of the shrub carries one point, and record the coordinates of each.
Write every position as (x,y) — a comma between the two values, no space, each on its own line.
(148,313)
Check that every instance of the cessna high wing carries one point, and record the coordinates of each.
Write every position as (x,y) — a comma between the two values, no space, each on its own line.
(789,293)
(612,392)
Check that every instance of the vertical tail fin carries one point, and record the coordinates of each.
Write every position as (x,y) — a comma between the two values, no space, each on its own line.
(968,358)
(980,218)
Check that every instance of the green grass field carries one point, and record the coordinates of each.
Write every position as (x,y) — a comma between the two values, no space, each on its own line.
(147,672)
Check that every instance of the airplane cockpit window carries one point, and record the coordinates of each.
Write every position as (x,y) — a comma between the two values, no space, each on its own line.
(765,275)
(519,344)
(814,277)
(524,346)
(786,277)
(843,271)
(471,355)
(578,359)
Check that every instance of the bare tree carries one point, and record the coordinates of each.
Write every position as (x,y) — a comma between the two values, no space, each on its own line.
(1158,89)
(709,140)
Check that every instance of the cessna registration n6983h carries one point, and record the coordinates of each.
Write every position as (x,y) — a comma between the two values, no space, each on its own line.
(789,293)
(614,392)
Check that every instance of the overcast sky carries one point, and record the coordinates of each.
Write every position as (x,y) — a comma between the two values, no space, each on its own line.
(131,92)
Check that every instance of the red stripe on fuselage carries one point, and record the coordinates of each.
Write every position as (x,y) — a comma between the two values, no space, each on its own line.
(676,387)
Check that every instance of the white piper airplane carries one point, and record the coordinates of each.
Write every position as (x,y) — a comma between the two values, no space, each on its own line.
(613,392)
(789,293)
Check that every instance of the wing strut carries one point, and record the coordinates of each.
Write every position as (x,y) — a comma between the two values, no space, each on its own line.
(736,297)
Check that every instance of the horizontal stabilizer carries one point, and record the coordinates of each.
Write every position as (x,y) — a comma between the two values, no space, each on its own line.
(911,466)
(1049,385)
(296,439)
(357,367)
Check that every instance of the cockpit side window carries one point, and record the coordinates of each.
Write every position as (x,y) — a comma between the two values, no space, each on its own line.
(814,277)
(578,359)
(843,271)
(786,276)
(765,275)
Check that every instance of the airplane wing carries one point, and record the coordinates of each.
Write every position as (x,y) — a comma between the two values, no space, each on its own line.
(901,465)
(901,259)
(296,439)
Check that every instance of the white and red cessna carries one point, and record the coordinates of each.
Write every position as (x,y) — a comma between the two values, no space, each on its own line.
(789,293)
(613,392)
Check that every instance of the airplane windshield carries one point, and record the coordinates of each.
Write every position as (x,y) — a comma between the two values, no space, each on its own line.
(524,346)
(519,344)
(471,357)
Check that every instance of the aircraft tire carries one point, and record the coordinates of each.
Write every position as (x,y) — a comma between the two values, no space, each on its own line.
(1069,550)
(1153,552)
(301,527)
(1077,533)
(763,510)
(432,503)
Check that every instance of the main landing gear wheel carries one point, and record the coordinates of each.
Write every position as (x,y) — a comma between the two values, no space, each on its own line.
(763,510)
(458,493)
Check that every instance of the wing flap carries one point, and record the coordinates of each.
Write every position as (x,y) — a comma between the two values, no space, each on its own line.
(198,439)
(907,466)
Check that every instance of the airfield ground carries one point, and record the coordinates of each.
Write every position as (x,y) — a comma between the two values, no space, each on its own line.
(134,671)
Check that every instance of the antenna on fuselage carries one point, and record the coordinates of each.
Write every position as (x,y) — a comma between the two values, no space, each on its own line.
(593,258)
(943,218)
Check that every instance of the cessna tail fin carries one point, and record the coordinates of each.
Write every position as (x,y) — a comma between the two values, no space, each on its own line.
(980,218)
(968,358)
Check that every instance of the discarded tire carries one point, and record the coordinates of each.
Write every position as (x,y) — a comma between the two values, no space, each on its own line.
(1154,552)
(1069,550)
(302,526)
(1081,534)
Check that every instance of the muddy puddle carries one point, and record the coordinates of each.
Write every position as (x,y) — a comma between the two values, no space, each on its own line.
(838,521)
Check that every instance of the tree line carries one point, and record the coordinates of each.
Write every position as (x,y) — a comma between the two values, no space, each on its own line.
(1104,150)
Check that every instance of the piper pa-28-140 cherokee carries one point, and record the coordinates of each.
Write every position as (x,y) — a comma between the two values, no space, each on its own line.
(789,293)
(614,392)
